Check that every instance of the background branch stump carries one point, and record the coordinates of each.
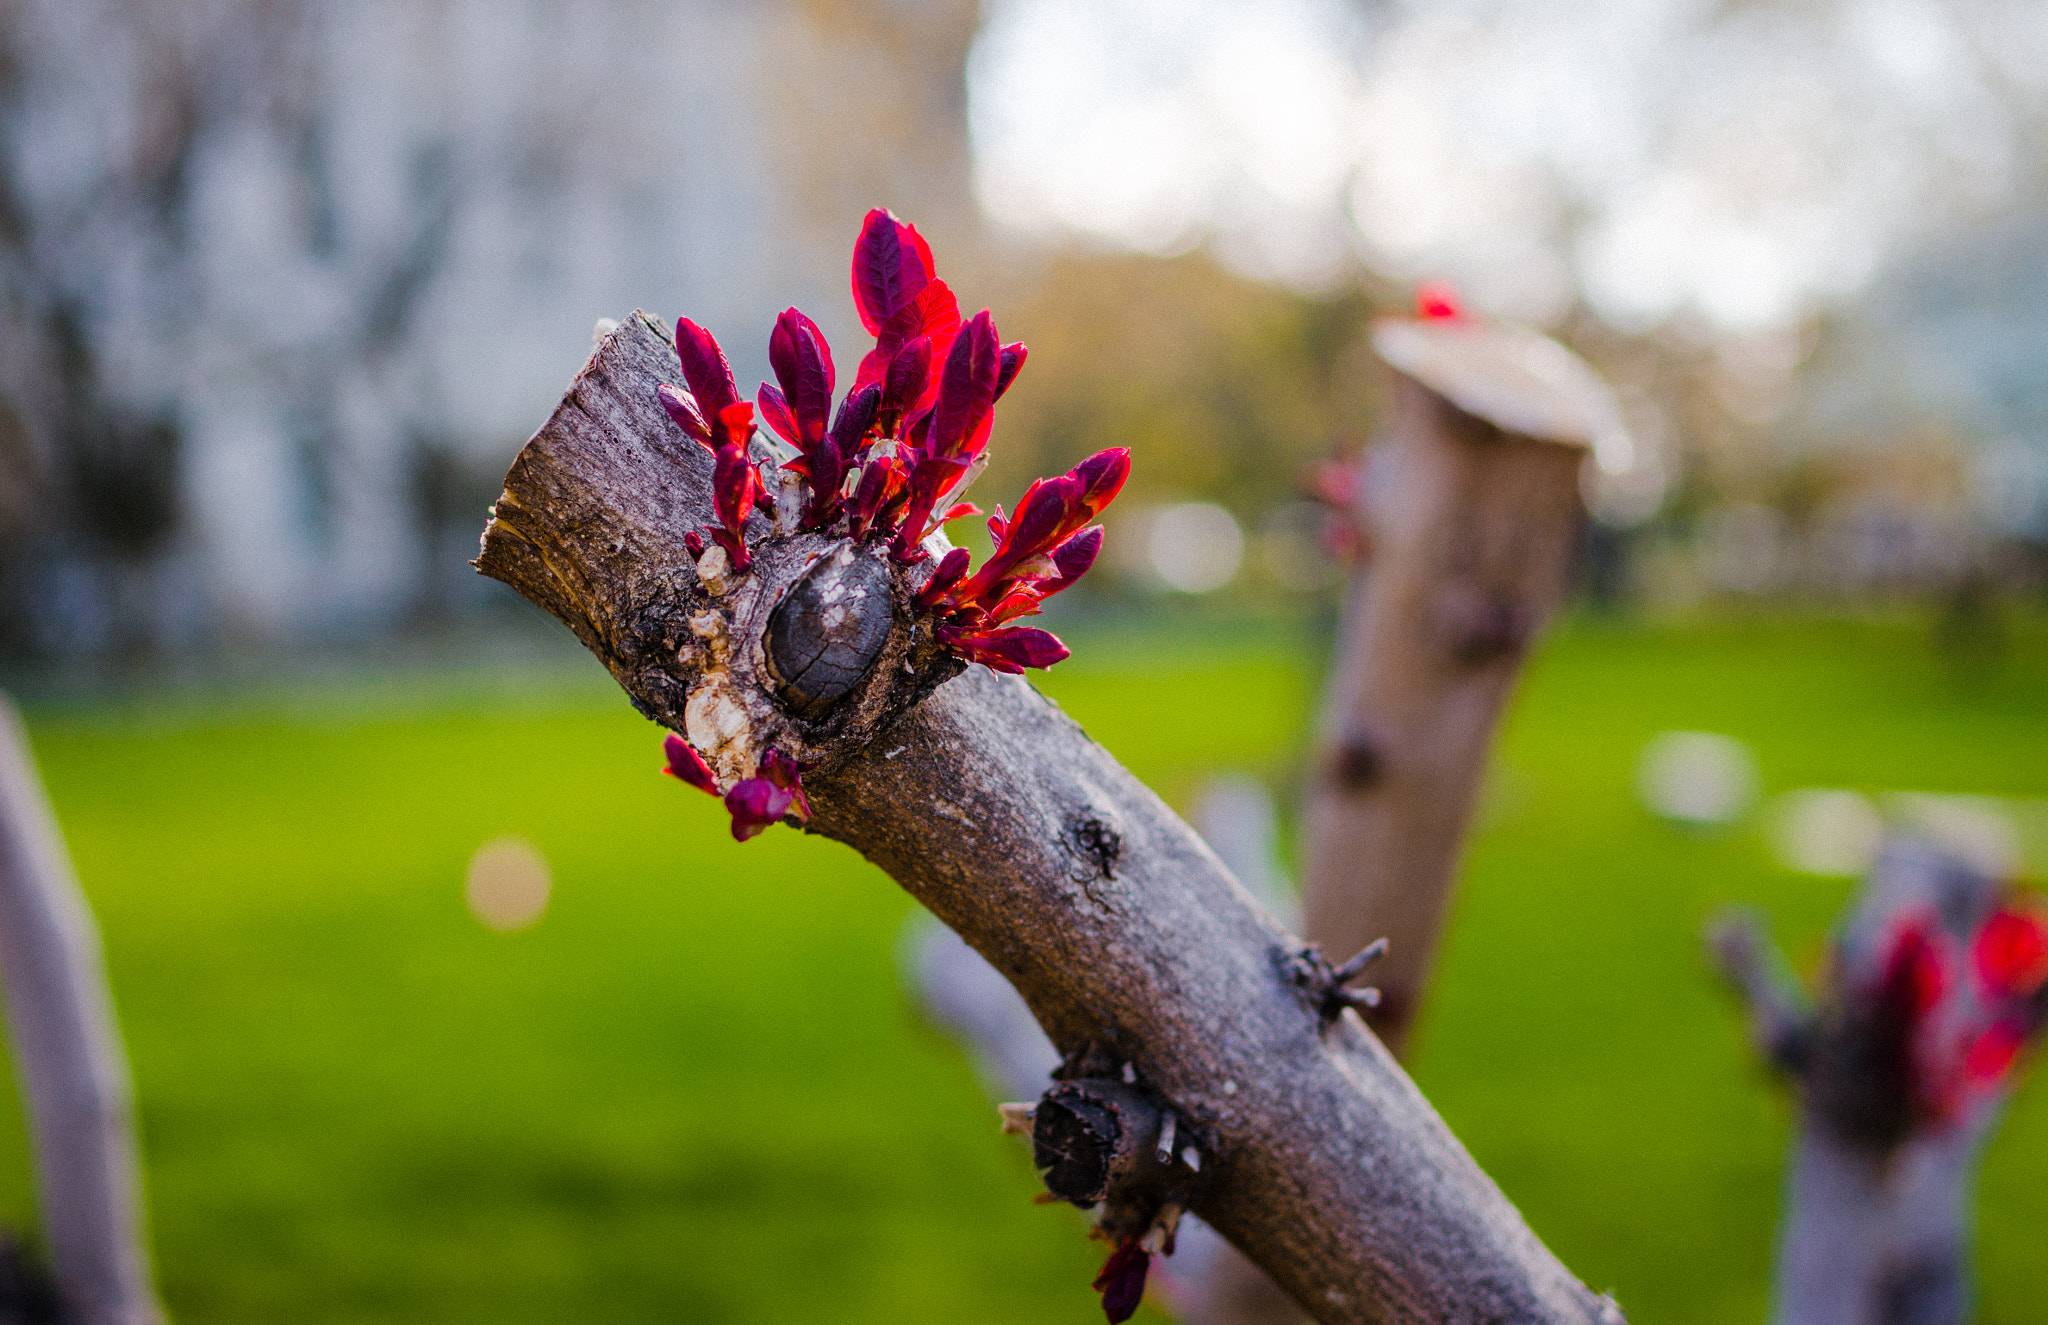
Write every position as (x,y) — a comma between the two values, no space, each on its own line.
(1896,1096)
(68,1055)
(1469,516)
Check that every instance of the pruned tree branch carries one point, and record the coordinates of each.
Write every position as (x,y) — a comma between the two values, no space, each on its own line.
(1120,928)
(1937,979)
(1468,515)
(67,1052)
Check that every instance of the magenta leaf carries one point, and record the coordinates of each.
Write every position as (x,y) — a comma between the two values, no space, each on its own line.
(856,417)
(1122,1281)
(682,407)
(1102,477)
(803,365)
(904,384)
(891,266)
(735,483)
(705,369)
(950,568)
(1073,558)
(934,313)
(686,765)
(929,477)
(755,804)
(733,426)
(733,486)
(1015,649)
(1014,355)
(787,774)
(967,388)
(1035,526)
(880,480)
(775,412)
(761,800)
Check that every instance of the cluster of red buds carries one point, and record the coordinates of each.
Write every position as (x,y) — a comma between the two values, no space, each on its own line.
(1041,549)
(1955,1016)
(893,462)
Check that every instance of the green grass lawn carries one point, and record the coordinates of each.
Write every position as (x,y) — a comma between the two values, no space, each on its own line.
(693,1092)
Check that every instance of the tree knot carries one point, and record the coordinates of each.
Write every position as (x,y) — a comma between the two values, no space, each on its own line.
(1098,840)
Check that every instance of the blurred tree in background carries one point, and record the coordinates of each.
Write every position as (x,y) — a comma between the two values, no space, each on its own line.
(1223,387)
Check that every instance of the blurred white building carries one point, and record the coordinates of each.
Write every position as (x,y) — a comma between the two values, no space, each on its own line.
(318,270)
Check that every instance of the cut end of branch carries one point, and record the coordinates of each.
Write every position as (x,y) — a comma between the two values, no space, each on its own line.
(1515,379)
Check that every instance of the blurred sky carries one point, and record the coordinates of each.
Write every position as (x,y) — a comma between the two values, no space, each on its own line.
(1745,163)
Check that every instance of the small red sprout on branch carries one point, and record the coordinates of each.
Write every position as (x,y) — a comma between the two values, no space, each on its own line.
(775,790)
(1040,550)
(894,462)
(763,799)
(712,412)
(1977,1034)
(1122,1281)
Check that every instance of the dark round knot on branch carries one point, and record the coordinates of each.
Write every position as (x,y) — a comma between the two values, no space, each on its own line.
(1481,626)
(1098,841)
(828,630)
(1075,1135)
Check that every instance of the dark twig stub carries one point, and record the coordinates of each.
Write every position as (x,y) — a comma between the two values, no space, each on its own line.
(1323,985)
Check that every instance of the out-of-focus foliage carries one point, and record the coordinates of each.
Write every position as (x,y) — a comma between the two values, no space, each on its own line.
(1803,240)
(1221,386)
(282,286)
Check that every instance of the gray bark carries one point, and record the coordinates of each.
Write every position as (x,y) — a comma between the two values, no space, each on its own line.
(1878,1239)
(1128,939)
(970,999)
(68,1055)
